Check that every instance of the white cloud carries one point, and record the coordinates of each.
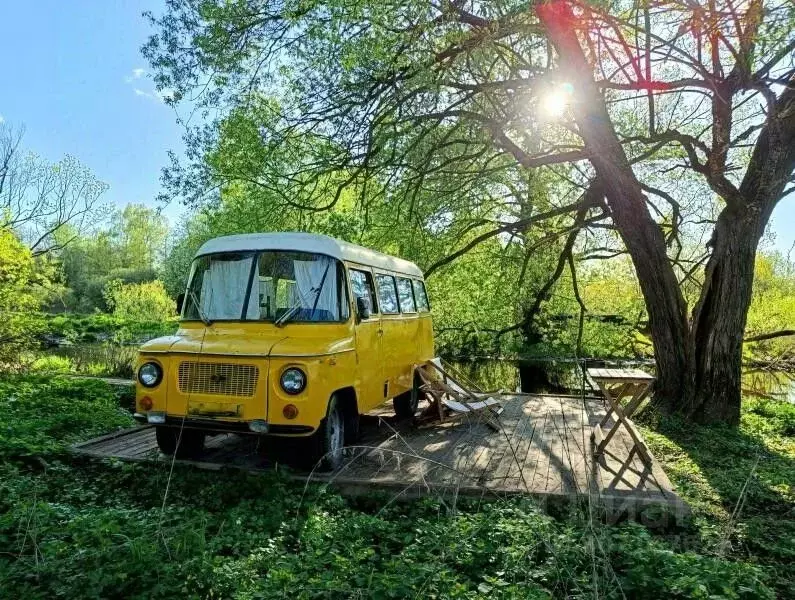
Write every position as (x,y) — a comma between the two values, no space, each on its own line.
(136,78)
(2,119)
(136,73)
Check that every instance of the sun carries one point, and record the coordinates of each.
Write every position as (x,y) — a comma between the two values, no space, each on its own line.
(554,103)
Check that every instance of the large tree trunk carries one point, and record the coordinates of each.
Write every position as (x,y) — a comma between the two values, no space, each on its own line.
(719,318)
(641,234)
(720,315)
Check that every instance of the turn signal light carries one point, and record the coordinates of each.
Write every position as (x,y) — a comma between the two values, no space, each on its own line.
(290,411)
(146,403)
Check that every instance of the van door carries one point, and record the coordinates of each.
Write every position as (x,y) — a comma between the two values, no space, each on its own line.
(409,338)
(369,341)
(392,340)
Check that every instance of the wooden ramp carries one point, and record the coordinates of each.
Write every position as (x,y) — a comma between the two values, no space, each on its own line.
(543,448)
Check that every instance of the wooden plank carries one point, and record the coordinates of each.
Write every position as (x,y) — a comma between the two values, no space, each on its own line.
(640,444)
(511,472)
(512,415)
(125,444)
(112,435)
(596,373)
(519,422)
(628,473)
(519,475)
(564,477)
(467,452)
(619,375)
(541,466)
(553,481)
(540,452)
(578,443)
(510,420)
(142,445)
(599,467)
(646,485)
(550,437)
(477,459)
(443,466)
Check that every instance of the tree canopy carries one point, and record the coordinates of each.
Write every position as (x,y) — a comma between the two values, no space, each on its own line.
(666,130)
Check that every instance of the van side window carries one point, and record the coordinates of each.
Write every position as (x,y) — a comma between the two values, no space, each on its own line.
(406,295)
(387,295)
(420,295)
(362,286)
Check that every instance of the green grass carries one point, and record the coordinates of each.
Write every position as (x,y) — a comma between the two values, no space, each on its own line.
(740,483)
(81,528)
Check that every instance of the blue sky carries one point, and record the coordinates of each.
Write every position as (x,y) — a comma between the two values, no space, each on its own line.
(73,74)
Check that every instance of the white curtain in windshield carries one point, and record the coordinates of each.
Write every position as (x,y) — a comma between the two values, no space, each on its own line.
(316,283)
(224,290)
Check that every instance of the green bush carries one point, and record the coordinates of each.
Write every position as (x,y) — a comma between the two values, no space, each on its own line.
(19,302)
(51,364)
(140,301)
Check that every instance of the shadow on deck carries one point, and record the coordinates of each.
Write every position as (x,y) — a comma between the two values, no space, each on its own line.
(544,450)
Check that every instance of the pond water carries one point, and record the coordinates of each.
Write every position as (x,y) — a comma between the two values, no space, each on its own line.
(106,360)
(778,385)
(564,376)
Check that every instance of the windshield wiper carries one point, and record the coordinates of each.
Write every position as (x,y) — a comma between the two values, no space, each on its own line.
(199,310)
(288,314)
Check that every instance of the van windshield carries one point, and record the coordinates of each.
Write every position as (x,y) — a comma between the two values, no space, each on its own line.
(273,285)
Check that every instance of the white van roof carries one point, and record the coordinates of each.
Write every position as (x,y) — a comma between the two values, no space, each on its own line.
(309,242)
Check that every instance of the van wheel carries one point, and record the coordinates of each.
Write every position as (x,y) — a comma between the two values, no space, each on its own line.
(191,444)
(406,404)
(326,445)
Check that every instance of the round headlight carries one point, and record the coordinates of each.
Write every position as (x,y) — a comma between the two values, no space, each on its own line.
(293,381)
(150,374)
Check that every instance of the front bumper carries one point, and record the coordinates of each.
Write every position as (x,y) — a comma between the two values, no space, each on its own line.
(224,426)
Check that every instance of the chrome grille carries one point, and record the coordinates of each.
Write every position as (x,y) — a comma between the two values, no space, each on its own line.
(219,379)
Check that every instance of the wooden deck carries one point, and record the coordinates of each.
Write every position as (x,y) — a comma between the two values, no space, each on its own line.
(544,450)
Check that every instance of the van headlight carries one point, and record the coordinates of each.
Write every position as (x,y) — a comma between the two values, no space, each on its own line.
(293,380)
(150,374)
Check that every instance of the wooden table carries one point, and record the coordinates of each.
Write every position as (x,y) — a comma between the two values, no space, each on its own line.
(618,385)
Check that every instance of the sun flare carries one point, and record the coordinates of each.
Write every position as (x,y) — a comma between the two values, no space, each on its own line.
(556,101)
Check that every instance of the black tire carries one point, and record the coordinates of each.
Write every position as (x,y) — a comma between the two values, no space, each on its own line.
(191,444)
(324,447)
(406,404)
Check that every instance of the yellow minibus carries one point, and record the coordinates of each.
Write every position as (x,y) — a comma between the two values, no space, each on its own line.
(286,335)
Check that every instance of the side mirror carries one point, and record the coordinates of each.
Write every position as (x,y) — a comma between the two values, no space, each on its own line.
(180,302)
(362,308)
